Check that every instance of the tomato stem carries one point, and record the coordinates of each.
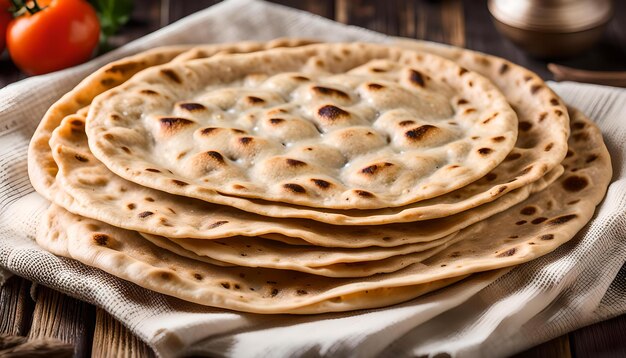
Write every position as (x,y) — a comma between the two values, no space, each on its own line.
(33,9)
(20,7)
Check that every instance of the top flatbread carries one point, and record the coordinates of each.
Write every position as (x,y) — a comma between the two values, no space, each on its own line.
(540,147)
(329,125)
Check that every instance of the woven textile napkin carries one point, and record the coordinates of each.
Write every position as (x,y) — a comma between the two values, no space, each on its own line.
(580,283)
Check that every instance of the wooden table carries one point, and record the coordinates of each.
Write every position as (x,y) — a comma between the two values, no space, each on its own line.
(91,331)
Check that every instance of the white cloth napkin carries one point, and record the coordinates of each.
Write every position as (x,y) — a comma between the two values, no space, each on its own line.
(580,283)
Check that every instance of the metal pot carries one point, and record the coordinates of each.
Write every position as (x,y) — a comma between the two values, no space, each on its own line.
(552,28)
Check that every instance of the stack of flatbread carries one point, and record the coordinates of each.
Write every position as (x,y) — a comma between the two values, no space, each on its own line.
(295,177)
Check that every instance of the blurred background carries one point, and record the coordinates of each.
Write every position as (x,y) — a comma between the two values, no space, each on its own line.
(466,23)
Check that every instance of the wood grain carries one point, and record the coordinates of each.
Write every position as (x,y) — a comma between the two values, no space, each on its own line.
(112,339)
(62,317)
(16,307)
(453,22)
(558,347)
(604,339)
(174,10)
(325,8)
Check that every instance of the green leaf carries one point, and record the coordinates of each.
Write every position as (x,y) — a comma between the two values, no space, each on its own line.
(113,14)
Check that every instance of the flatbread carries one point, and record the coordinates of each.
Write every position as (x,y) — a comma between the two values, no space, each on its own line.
(71,236)
(251,252)
(89,189)
(344,126)
(526,231)
(41,166)
(542,109)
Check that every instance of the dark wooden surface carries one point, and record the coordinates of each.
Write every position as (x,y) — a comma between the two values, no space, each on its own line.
(463,23)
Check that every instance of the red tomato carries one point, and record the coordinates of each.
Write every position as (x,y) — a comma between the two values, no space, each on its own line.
(5,18)
(63,34)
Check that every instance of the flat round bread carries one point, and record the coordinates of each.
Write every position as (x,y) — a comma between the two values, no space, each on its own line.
(256,252)
(42,169)
(526,231)
(68,235)
(344,126)
(88,188)
(41,166)
(541,146)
